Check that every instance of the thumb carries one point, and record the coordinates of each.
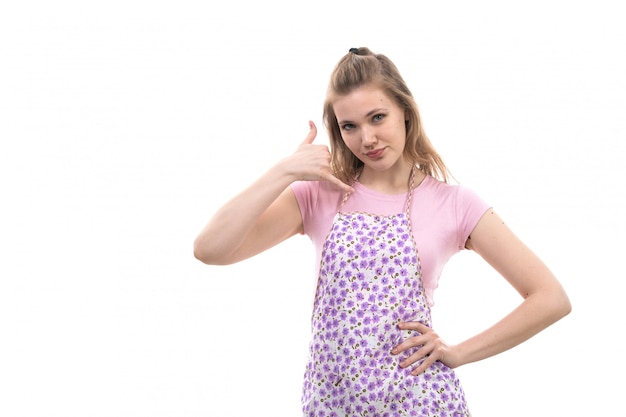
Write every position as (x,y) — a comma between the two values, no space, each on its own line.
(310,137)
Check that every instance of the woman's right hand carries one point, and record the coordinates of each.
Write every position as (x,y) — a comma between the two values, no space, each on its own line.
(266,212)
(311,162)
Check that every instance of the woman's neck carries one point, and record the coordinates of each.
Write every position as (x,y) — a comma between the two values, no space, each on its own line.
(391,181)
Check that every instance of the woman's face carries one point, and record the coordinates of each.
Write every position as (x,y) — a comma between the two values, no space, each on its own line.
(373,127)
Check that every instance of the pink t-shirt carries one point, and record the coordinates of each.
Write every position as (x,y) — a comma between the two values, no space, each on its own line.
(442,217)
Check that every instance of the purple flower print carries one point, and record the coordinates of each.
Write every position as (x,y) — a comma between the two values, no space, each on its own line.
(369,281)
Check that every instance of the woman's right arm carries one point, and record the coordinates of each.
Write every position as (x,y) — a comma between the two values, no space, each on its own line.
(266,213)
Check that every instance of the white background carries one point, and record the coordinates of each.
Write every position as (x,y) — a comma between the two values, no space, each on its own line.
(125,124)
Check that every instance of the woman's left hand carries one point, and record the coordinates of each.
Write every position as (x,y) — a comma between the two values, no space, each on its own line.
(430,346)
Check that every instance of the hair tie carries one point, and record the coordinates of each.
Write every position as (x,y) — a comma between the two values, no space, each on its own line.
(355,51)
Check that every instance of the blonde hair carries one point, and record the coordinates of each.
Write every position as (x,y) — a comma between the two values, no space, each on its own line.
(360,67)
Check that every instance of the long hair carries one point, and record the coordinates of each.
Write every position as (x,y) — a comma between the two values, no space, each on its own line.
(360,67)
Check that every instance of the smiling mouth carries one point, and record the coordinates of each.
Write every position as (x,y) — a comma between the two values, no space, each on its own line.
(375,154)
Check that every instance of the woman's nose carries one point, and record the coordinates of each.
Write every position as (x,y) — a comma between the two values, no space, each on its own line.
(368,137)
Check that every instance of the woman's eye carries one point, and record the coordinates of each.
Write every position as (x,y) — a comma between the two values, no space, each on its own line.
(379,117)
(347,126)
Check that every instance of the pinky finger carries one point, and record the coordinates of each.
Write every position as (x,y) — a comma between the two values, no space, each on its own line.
(423,366)
(331,178)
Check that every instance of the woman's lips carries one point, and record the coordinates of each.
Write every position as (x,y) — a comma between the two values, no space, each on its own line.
(375,153)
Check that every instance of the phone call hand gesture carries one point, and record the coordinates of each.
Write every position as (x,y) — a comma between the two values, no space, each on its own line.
(311,162)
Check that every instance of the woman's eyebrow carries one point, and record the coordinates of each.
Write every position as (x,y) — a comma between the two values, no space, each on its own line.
(369,114)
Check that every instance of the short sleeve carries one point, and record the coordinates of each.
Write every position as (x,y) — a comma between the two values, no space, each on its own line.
(469,210)
(306,195)
(318,202)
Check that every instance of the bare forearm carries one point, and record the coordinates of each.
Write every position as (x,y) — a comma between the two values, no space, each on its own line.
(536,313)
(265,213)
(231,224)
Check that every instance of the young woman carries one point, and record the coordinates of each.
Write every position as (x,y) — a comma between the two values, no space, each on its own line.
(384,221)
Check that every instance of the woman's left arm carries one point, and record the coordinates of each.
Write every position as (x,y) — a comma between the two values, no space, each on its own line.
(545,301)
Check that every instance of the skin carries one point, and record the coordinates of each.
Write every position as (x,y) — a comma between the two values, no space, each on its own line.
(267,213)
(370,121)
